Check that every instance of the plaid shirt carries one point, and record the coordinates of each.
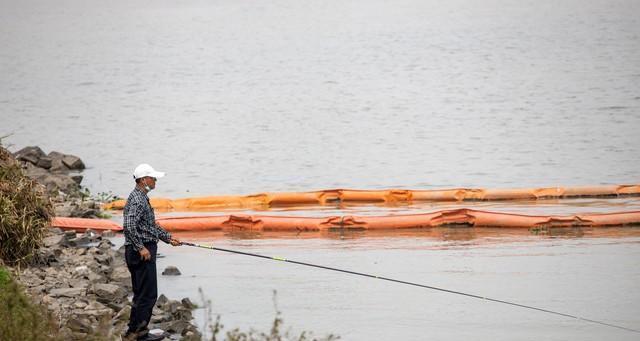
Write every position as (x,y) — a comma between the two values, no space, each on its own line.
(140,222)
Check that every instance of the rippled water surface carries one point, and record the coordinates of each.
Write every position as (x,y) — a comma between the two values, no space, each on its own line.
(240,97)
(591,277)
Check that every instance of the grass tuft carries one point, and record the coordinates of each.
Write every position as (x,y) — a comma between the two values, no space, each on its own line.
(21,318)
(25,213)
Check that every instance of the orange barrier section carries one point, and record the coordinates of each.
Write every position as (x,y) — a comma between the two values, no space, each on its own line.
(391,196)
(81,224)
(452,218)
(458,217)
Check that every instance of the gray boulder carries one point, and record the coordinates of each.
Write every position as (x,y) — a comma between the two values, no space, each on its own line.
(80,304)
(94,277)
(48,255)
(65,209)
(57,239)
(36,173)
(95,311)
(162,301)
(68,235)
(30,154)
(109,292)
(160,317)
(182,313)
(121,275)
(171,271)
(77,178)
(79,283)
(81,325)
(79,241)
(67,292)
(92,235)
(123,314)
(105,244)
(172,306)
(186,302)
(103,259)
(176,327)
(73,162)
(74,209)
(58,166)
(60,182)
(53,155)
(44,162)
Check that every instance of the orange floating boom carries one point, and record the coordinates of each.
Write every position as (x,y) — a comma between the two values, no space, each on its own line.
(82,224)
(456,217)
(390,196)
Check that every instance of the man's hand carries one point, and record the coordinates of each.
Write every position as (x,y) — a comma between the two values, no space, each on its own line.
(175,242)
(145,254)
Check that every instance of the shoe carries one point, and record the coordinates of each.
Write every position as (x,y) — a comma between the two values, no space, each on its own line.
(134,336)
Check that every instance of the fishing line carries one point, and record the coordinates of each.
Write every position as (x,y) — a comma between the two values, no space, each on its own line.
(414,284)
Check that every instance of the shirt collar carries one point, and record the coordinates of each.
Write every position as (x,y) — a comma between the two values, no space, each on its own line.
(144,194)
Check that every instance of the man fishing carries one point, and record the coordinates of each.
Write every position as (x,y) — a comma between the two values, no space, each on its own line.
(141,234)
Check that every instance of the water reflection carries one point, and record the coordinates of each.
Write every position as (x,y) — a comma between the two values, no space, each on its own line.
(551,271)
(458,234)
(449,233)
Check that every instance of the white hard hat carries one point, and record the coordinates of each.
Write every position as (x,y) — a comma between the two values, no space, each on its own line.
(145,170)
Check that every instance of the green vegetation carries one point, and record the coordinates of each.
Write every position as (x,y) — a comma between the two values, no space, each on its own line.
(5,278)
(103,215)
(101,197)
(106,197)
(25,213)
(21,319)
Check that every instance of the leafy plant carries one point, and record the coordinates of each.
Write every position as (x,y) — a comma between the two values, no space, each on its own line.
(106,197)
(103,215)
(102,197)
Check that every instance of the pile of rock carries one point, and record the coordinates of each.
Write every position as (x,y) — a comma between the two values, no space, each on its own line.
(85,283)
(76,207)
(58,172)
(53,170)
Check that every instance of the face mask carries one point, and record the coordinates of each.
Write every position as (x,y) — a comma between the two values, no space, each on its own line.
(146,187)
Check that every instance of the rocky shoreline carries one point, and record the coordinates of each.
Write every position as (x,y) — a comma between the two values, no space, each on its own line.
(79,277)
(61,176)
(84,282)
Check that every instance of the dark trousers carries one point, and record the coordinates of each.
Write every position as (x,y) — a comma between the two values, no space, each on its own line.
(145,285)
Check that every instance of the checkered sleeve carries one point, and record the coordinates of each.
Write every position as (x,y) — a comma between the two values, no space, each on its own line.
(163,234)
(131,220)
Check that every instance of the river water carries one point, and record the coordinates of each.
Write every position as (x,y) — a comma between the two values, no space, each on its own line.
(594,277)
(240,97)
(237,97)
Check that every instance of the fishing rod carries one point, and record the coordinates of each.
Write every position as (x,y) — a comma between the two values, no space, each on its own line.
(413,284)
